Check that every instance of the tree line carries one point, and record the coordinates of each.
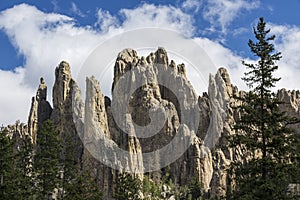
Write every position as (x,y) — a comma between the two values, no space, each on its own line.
(49,168)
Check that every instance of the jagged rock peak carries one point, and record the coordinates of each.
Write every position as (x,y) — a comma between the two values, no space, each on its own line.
(61,86)
(127,55)
(181,69)
(125,61)
(63,72)
(17,130)
(40,110)
(64,66)
(224,74)
(161,56)
(128,59)
(95,105)
(41,93)
(290,98)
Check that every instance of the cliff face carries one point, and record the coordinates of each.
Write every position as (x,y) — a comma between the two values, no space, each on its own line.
(154,122)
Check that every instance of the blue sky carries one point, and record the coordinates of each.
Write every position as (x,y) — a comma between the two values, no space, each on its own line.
(36,35)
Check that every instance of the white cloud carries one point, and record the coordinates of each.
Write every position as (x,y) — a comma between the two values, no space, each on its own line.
(15,98)
(105,20)
(168,17)
(220,13)
(240,31)
(47,38)
(288,42)
(191,5)
(223,57)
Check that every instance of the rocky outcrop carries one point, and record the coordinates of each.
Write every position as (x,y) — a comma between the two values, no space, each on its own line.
(96,135)
(65,94)
(152,84)
(154,122)
(17,130)
(153,105)
(40,110)
(290,103)
(223,115)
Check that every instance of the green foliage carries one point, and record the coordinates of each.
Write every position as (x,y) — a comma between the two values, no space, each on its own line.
(23,168)
(151,190)
(16,181)
(262,131)
(128,187)
(7,185)
(27,174)
(83,186)
(46,161)
(69,165)
(192,191)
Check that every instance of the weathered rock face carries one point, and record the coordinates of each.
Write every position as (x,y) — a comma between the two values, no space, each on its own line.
(64,96)
(222,118)
(152,103)
(152,85)
(40,110)
(95,131)
(17,130)
(291,102)
(146,85)
(62,86)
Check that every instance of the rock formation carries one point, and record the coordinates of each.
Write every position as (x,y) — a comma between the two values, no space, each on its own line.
(40,110)
(153,105)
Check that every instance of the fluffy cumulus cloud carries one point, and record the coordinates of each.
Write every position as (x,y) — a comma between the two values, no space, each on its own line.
(47,38)
(168,17)
(15,97)
(288,42)
(220,13)
(224,57)
(106,21)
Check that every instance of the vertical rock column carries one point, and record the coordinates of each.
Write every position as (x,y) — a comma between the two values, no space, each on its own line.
(62,114)
(40,110)
(96,137)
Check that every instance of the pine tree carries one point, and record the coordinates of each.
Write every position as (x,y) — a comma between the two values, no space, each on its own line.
(128,187)
(77,183)
(23,169)
(151,189)
(84,186)
(192,191)
(46,161)
(69,164)
(7,165)
(262,131)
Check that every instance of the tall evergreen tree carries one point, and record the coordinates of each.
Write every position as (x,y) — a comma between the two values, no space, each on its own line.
(23,169)
(46,160)
(7,164)
(262,131)
(69,164)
